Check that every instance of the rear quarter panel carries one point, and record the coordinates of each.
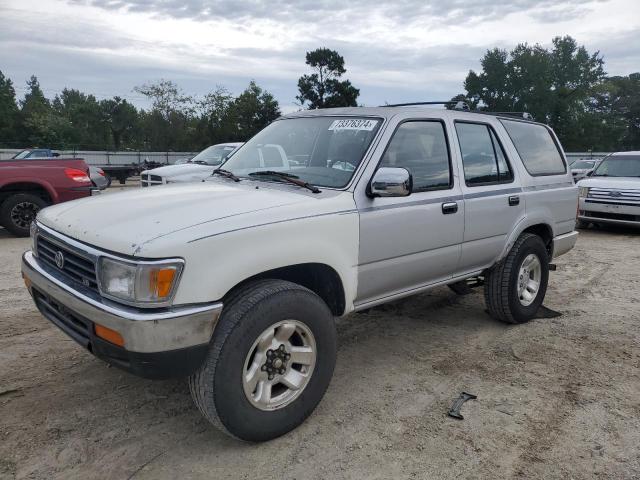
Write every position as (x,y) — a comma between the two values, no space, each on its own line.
(549,199)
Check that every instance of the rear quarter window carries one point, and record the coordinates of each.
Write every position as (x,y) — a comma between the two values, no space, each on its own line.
(537,149)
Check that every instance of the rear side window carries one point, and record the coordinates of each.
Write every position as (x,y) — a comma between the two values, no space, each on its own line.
(421,147)
(536,148)
(483,159)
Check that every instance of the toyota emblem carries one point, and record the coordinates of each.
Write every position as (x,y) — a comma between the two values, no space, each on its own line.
(59,260)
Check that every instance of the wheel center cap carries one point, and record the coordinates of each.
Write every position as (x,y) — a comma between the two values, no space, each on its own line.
(277,363)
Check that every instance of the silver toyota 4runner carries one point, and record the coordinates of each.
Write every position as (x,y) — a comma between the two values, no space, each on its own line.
(234,282)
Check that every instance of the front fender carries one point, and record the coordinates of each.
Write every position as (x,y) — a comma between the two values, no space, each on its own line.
(216,264)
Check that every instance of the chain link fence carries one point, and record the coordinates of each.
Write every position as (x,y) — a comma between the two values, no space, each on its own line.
(97,157)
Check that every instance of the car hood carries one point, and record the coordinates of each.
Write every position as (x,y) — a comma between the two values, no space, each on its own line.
(184,169)
(126,222)
(623,183)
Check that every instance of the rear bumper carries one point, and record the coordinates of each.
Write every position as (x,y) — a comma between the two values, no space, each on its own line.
(563,243)
(157,344)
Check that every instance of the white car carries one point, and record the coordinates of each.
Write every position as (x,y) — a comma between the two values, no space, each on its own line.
(611,194)
(235,282)
(198,168)
(583,168)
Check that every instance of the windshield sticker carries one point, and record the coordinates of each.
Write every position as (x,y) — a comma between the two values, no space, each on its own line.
(354,124)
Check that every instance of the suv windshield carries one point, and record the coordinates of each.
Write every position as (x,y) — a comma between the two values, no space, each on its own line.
(213,155)
(582,164)
(22,154)
(322,151)
(619,166)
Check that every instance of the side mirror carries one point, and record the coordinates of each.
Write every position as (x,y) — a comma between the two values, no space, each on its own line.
(391,182)
(589,173)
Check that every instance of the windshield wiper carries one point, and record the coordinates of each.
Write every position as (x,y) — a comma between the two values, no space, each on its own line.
(225,173)
(287,177)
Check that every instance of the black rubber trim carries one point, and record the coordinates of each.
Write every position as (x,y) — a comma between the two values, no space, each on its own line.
(157,365)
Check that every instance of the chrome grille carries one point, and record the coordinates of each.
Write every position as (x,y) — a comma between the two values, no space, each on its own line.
(78,268)
(148,180)
(614,196)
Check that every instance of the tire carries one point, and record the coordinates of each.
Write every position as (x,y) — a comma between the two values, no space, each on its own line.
(18,211)
(218,386)
(501,292)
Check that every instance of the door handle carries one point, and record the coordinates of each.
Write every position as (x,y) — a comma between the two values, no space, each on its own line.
(514,200)
(449,208)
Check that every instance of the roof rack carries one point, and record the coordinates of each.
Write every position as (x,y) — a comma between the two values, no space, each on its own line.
(523,115)
(464,106)
(458,105)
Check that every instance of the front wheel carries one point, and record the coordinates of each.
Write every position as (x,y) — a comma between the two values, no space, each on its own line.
(270,361)
(515,288)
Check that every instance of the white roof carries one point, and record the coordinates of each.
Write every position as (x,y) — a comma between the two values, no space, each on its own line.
(623,154)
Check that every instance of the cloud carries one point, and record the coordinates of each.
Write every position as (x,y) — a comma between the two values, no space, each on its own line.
(403,11)
(399,51)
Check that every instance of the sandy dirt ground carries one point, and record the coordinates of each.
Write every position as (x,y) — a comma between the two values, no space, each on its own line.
(557,398)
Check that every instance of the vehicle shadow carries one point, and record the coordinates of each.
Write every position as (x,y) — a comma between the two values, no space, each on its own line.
(611,228)
(122,421)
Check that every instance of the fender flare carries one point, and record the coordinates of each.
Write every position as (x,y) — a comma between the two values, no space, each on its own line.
(521,226)
(46,186)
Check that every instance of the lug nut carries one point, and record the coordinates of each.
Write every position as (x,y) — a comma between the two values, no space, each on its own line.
(282,347)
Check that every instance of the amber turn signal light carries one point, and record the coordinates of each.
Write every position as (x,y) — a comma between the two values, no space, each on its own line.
(161,281)
(109,335)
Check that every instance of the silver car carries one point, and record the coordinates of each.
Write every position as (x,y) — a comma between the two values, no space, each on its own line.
(611,195)
(583,168)
(99,178)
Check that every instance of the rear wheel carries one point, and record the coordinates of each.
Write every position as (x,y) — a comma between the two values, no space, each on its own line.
(515,288)
(18,211)
(269,363)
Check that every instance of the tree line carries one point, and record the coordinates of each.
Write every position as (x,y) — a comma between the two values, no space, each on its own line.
(175,121)
(564,86)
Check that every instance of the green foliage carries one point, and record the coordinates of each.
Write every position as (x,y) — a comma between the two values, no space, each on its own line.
(175,121)
(323,89)
(564,86)
(253,110)
(9,113)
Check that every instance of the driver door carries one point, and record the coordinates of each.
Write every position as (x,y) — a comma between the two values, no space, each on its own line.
(407,243)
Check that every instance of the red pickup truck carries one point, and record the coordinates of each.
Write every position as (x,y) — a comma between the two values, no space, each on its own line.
(28,185)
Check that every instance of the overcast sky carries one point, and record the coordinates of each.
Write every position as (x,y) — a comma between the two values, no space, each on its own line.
(395,51)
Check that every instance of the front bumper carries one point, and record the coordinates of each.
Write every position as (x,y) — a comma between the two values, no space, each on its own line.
(610,212)
(157,344)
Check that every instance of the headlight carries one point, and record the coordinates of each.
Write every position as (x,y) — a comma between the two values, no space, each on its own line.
(33,231)
(151,284)
(583,192)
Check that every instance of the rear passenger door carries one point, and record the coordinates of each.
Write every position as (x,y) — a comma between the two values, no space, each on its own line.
(409,242)
(492,197)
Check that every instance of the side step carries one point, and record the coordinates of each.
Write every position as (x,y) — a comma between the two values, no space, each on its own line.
(464,287)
